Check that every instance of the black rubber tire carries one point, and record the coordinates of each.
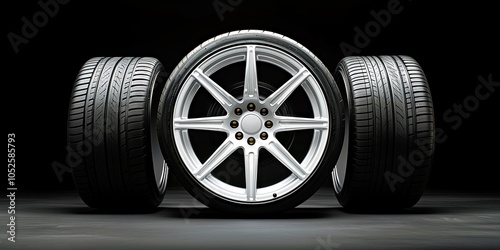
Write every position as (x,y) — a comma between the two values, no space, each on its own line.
(391,132)
(109,128)
(176,81)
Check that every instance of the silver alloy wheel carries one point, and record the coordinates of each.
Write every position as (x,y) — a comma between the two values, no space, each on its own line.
(251,123)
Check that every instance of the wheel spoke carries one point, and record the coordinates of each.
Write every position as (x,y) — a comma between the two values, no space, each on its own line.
(251,87)
(214,123)
(280,95)
(280,152)
(298,123)
(221,95)
(220,154)
(251,166)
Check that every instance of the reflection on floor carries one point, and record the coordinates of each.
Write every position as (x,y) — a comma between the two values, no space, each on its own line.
(440,220)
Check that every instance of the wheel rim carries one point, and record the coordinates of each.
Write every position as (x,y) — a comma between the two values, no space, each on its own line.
(251,123)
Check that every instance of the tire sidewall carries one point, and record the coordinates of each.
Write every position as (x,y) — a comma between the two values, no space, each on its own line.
(157,83)
(346,88)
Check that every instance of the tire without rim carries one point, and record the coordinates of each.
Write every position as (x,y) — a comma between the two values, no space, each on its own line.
(389,145)
(304,159)
(111,128)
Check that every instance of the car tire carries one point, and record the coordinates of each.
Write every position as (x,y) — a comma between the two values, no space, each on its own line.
(112,126)
(389,144)
(269,167)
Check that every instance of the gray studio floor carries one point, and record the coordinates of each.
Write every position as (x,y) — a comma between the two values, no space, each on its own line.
(440,220)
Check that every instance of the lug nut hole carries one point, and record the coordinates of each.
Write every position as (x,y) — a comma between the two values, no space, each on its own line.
(251,141)
(239,135)
(251,107)
(268,124)
(263,136)
(234,124)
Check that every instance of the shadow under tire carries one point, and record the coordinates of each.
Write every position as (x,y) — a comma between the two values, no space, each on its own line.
(389,141)
(112,135)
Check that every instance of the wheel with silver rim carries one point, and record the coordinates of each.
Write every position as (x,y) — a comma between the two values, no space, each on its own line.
(251,122)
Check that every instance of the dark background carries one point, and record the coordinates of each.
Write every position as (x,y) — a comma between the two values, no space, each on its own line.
(454,43)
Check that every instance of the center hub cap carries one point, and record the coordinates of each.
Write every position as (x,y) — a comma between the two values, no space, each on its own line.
(251,124)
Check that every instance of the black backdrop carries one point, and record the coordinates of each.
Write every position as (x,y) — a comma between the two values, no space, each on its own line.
(456,44)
